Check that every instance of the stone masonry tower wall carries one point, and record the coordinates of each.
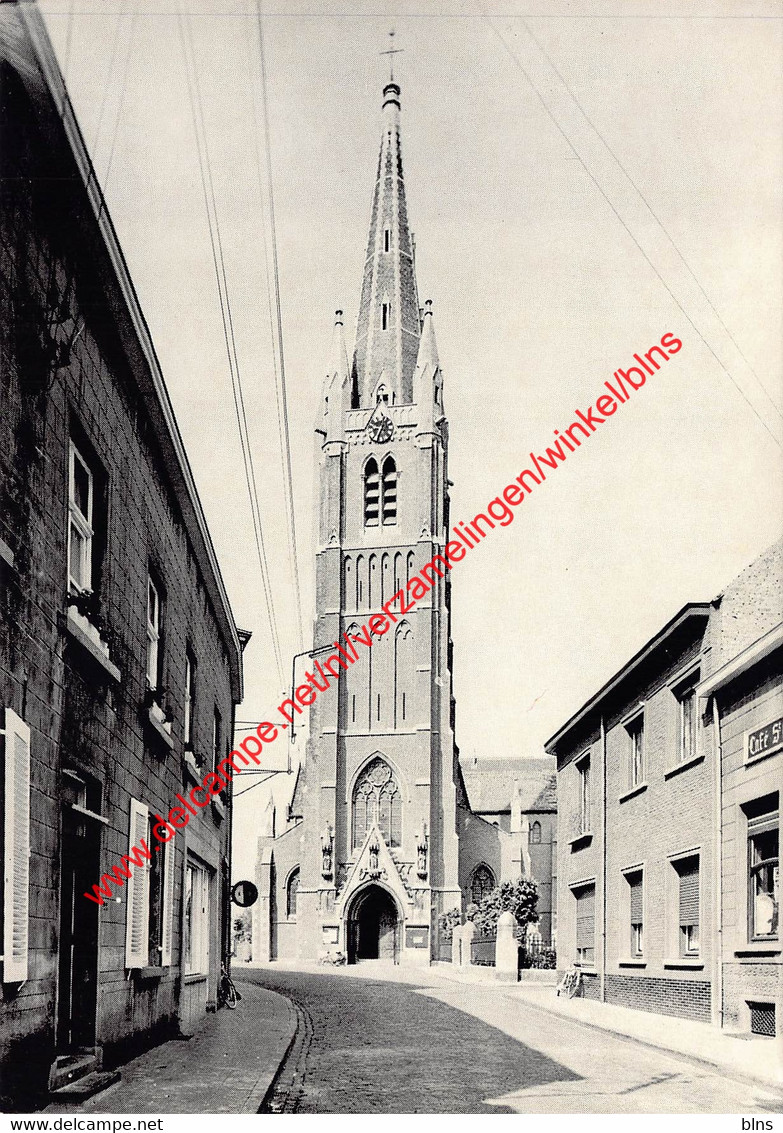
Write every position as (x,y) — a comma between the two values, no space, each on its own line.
(380,779)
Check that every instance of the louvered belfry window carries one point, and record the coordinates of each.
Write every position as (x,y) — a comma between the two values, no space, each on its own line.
(377,800)
(688,871)
(371,493)
(16,849)
(389,491)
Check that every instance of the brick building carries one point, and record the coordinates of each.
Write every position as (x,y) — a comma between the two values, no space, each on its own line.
(668,786)
(120,663)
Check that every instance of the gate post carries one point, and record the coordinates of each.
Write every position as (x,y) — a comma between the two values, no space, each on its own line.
(506,950)
(468,932)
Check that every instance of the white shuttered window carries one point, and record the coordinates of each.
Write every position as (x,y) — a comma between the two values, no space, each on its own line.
(16,869)
(169,856)
(137,888)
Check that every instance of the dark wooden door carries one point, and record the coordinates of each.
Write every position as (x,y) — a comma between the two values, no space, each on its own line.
(78,958)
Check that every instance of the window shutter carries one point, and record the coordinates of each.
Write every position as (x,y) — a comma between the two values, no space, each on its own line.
(689,894)
(636,885)
(585,917)
(138,909)
(16,873)
(169,858)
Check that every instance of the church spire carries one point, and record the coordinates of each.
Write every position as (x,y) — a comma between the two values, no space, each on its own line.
(387,331)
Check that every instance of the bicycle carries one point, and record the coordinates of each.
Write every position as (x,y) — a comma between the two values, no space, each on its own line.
(227,994)
(570,983)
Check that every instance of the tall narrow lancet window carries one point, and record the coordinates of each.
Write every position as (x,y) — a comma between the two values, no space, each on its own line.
(385,316)
(377,800)
(292,892)
(371,493)
(389,491)
(481,884)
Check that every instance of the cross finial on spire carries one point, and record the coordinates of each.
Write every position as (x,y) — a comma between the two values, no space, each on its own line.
(391,53)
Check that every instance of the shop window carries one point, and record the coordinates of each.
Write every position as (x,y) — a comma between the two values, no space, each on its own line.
(764,875)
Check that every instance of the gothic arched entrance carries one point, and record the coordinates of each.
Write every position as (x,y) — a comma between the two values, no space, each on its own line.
(373,925)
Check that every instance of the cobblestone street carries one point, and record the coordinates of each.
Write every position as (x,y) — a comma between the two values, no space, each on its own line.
(370,1045)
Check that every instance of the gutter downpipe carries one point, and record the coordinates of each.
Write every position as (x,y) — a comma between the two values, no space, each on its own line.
(602,975)
(717,1007)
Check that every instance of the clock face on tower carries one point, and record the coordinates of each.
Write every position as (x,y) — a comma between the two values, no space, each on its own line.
(381,430)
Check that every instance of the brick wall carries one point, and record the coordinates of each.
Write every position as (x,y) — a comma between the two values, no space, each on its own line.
(670,814)
(688,999)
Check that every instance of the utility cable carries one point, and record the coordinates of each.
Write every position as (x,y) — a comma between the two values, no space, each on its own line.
(652,213)
(280,374)
(107,83)
(207,184)
(123,88)
(520,66)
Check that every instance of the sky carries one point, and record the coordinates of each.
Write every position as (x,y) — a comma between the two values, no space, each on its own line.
(582,178)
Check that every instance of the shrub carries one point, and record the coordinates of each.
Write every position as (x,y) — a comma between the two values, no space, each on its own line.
(520,898)
(448,922)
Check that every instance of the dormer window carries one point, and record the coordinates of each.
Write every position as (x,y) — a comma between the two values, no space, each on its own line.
(382,396)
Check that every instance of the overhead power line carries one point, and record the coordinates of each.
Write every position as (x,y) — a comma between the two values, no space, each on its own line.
(208,188)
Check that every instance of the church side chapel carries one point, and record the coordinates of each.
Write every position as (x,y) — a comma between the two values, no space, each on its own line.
(379,839)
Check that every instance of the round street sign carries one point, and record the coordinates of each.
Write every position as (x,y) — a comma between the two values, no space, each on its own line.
(244,893)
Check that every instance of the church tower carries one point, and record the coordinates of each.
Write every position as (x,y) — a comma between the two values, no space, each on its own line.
(378,843)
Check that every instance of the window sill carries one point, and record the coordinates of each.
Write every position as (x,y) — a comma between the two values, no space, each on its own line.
(683,766)
(694,963)
(6,554)
(580,842)
(194,978)
(159,725)
(640,963)
(759,948)
(86,634)
(192,769)
(637,790)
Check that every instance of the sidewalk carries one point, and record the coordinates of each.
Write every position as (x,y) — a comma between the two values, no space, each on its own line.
(226,1067)
(755,1058)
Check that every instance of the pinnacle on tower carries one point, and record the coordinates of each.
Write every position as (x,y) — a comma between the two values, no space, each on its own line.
(427,379)
(387,331)
(336,383)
